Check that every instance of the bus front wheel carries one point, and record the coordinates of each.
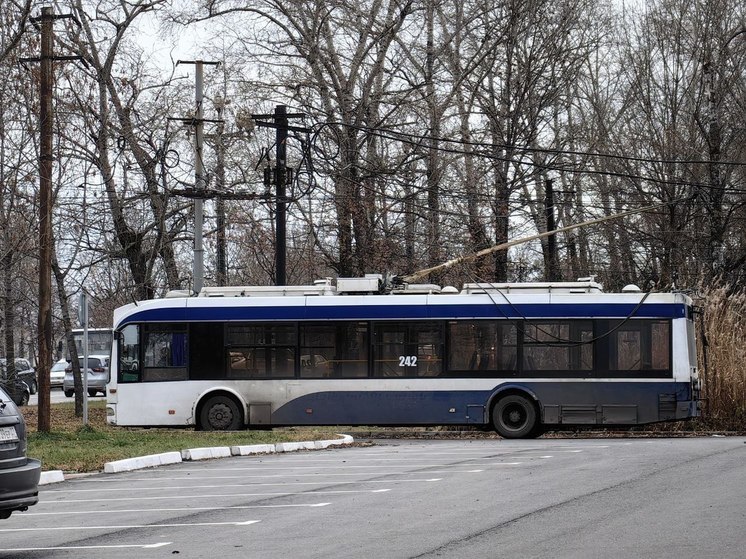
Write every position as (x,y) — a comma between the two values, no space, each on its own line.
(515,417)
(220,413)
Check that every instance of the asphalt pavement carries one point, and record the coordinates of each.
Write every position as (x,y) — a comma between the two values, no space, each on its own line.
(469,498)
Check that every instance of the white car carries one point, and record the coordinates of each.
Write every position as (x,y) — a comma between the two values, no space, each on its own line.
(57,374)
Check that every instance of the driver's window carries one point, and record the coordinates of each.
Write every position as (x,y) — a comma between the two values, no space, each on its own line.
(129,354)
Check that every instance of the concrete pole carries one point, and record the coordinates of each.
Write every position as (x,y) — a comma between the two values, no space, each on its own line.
(199,179)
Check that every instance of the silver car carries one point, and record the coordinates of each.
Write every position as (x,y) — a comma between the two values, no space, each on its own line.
(98,375)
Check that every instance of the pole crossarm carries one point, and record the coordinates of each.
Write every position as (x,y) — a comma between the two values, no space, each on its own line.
(210,193)
(416,276)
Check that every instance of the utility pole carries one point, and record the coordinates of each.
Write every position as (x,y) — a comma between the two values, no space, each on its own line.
(200,181)
(281,175)
(221,272)
(46,125)
(281,134)
(46,157)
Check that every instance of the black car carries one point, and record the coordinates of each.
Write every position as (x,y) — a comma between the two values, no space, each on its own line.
(17,390)
(19,476)
(24,372)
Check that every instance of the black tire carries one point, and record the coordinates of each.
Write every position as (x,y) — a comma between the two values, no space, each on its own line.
(32,388)
(69,393)
(220,413)
(92,393)
(515,417)
(24,399)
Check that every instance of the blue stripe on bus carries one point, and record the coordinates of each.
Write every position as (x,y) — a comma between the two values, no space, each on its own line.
(403,312)
(455,407)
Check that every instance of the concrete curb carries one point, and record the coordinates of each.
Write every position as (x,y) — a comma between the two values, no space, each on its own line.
(207,453)
(150,461)
(52,476)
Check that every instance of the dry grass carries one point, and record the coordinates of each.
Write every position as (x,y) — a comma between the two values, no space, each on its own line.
(73,447)
(721,344)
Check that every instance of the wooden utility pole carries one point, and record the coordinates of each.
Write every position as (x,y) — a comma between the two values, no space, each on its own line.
(46,158)
(46,125)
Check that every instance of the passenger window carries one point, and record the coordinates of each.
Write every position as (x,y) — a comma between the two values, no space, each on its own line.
(165,353)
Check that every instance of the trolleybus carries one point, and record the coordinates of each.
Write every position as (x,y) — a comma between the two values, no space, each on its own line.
(519,358)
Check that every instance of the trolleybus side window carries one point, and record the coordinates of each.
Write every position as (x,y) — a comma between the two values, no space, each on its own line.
(481,345)
(408,349)
(165,352)
(330,349)
(129,354)
(640,345)
(558,346)
(261,350)
(207,351)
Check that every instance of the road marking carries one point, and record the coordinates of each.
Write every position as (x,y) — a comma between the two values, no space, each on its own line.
(220,495)
(269,476)
(62,548)
(293,468)
(128,526)
(362,481)
(179,509)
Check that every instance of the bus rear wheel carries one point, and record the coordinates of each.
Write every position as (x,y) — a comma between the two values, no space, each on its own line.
(515,417)
(220,413)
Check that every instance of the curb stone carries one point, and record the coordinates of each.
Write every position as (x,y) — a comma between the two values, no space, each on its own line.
(206,453)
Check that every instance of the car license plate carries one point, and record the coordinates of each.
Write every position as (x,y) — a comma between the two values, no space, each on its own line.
(8,434)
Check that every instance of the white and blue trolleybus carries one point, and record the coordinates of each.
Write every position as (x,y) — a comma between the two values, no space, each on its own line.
(520,358)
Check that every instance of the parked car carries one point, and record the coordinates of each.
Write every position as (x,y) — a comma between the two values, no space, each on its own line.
(17,390)
(19,475)
(57,374)
(24,371)
(98,375)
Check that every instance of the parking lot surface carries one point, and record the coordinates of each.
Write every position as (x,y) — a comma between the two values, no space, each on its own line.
(485,498)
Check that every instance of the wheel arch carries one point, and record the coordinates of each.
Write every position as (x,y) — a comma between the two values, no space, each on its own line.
(220,391)
(514,388)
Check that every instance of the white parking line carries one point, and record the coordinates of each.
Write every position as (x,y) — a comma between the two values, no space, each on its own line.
(179,509)
(326,467)
(58,491)
(127,526)
(78,547)
(221,495)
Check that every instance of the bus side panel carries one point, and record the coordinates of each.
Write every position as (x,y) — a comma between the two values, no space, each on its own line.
(570,403)
(613,403)
(384,407)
